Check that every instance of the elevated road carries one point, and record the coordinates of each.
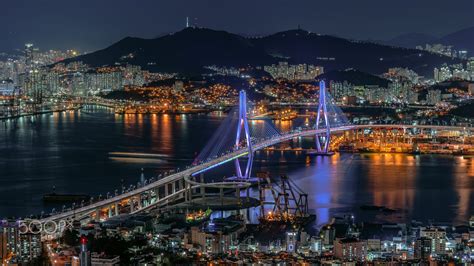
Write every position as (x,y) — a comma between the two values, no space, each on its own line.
(214,162)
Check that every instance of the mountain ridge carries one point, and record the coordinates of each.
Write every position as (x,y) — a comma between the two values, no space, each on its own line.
(189,50)
(461,40)
(354,77)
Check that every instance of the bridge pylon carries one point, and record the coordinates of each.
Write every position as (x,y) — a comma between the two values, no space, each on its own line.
(243,124)
(322,139)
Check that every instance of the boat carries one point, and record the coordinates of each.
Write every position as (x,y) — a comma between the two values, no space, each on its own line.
(376,208)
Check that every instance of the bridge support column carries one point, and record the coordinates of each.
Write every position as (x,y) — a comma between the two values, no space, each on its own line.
(199,179)
(202,190)
(237,194)
(131,205)
(188,193)
(166,190)
(247,194)
(243,122)
(178,185)
(157,194)
(140,203)
(97,215)
(116,206)
(322,139)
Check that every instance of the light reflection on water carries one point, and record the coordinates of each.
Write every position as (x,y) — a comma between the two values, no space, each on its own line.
(71,152)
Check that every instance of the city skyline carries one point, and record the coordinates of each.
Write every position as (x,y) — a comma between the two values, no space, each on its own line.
(236,132)
(91,26)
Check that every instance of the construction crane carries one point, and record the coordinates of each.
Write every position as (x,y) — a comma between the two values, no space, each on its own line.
(290,202)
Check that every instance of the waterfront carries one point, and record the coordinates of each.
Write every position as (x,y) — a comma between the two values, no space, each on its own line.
(77,153)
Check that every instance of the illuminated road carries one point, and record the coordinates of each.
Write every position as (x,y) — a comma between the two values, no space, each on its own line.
(77,213)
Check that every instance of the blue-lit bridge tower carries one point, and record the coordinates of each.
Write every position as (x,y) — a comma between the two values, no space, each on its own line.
(322,139)
(243,124)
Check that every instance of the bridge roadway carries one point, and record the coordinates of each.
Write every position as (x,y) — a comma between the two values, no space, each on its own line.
(200,168)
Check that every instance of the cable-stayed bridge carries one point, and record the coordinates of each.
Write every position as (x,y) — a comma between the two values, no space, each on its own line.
(234,139)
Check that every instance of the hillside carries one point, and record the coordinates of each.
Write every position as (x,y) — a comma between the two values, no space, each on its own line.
(187,51)
(460,40)
(354,77)
(411,40)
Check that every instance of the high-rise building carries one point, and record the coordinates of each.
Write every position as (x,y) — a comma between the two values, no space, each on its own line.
(133,76)
(17,246)
(9,241)
(438,239)
(316,245)
(470,68)
(294,72)
(178,86)
(402,73)
(422,249)
(446,50)
(78,85)
(462,54)
(433,97)
(461,74)
(351,249)
(328,234)
(29,50)
(341,90)
(7,87)
(291,241)
(32,83)
(442,74)
(30,246)
(96,82)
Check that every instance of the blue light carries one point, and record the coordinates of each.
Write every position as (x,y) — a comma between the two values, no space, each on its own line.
(220,163)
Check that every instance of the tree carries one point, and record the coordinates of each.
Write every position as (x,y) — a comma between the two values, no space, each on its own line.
(70,237)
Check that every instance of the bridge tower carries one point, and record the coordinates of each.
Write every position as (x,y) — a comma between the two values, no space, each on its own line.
(322,139)
(243,123)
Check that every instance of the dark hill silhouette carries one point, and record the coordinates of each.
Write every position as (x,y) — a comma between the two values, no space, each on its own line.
(355,77)
(464,111)
(460,40)
(411,40)
(187,51)
(463,39)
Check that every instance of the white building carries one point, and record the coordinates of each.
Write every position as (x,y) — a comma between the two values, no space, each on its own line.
(438,238)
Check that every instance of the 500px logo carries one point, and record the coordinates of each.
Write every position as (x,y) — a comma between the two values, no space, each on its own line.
(40,227)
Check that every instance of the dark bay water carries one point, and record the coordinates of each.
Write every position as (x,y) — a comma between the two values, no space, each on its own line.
(76,153)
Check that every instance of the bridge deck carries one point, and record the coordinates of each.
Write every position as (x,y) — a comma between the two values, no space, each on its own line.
(200,168)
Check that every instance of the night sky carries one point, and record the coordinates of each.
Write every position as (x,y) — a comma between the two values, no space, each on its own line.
(94,24)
